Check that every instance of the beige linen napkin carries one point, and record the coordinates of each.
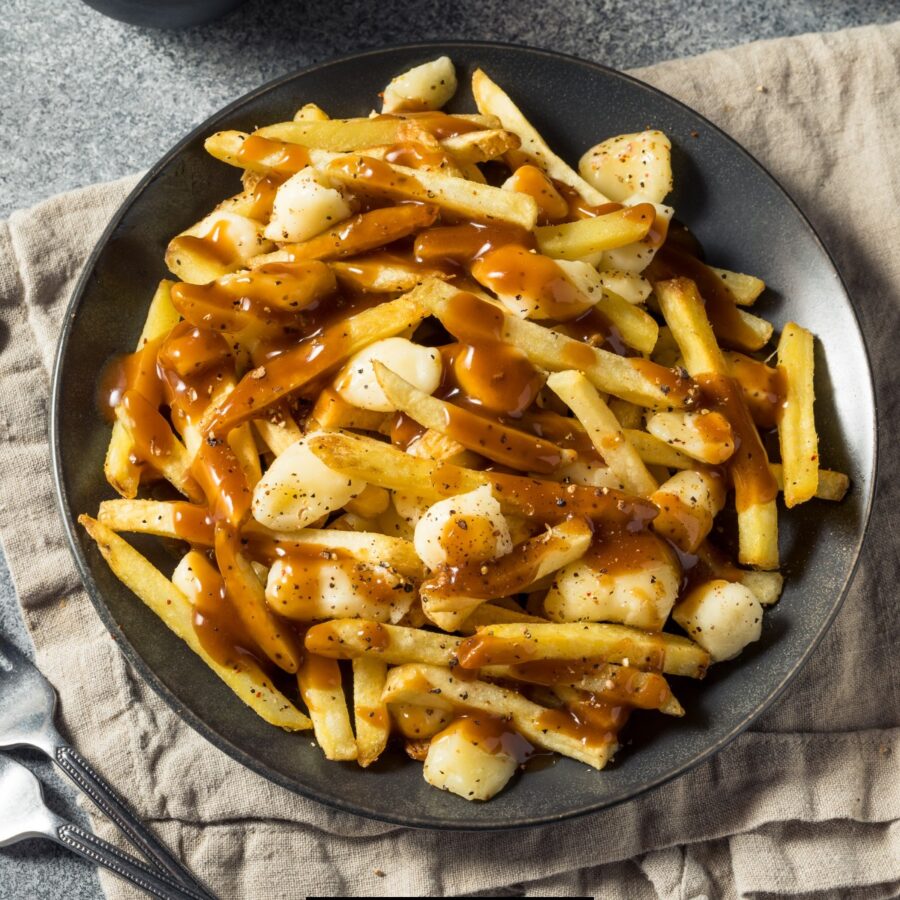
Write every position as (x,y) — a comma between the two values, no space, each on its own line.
(805,803)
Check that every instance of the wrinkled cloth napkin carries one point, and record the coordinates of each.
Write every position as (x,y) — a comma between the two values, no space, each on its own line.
(806,803)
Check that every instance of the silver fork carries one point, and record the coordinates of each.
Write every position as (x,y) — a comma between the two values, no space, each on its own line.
(27,705)
(24,814)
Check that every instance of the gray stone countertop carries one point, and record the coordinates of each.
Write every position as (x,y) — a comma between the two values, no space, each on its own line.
(88,99)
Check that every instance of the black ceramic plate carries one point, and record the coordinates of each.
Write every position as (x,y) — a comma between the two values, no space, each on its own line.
(746,222)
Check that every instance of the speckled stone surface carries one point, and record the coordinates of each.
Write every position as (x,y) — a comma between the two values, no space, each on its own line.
(89,99)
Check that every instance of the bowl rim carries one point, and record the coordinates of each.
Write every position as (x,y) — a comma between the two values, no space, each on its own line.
(472,823)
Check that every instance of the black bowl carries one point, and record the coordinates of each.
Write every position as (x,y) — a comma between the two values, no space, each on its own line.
(746,222)
(164,13)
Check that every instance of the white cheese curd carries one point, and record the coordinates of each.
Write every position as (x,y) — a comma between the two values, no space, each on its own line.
(304,207)
(420,366)
(464,528)
(299,488)
(424,87)
(722,617)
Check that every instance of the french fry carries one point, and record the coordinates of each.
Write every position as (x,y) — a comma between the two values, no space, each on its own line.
(640,382)
(375,276)
(514,644)
(392,644)
(381,464)
(370,712)
(481,202)
(339,135)
(655,452)
(249,599)
(246,679)
(608,681)
(604,431)
(492,100)
(575,240)
(797,424)
(685,314)
(332,413)
(832,485)
(172,519)
(744,288)
(243,444)
(265,386)
(493,439)
(320,686)
(358,234)
(545,728)
(492,614)
(480,146)
(171,458)
(278,430)
(123,474)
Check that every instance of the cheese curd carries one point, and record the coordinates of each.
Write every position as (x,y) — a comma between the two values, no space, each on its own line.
(304,207)
(299,488)
(722,617)
(420,366)
(424,87)
(462,529)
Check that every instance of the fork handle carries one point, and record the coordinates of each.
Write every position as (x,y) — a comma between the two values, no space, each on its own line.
(96,850)
(106,799)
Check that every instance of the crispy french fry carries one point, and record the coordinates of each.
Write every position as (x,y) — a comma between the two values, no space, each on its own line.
(332,413)
(575,240)
(611,682)
(243,444)
(685,314)
(245,678)
(320,686)
(744,288)
(481,202)
(491,439)
(171,458)
(292,370)
(123,474)
(604,431)
(546,728)
(492,100)
(514,644)
(278,430)
(381,464)
(832,485)
(311,112)
(370,712)
(392,644)
(492,614)
(249,599)
(637,380)
(358,234)
(376,276)
(172,519)
(797,424)
(339,135)
(655,452)
(481,146)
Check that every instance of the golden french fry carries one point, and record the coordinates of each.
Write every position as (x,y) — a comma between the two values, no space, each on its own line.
(492,614)
(376,276)
(170,519)
(492,100)
(332,412)
(481,202)
(744,288)
(575,240)
(392,644)
(755,487)
(358,234)
(320,686)
(832,485)
(607,436)
(480,146)
(278,430)
(655,452)
(546,728)
(514,644)
(797,424)
(245,678)
(381,464)
(494,440)
(123,474)
(370,712)
(249,598)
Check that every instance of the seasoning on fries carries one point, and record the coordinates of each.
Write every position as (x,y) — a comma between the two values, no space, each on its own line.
(446,427)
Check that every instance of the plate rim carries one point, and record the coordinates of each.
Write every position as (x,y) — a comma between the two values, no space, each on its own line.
(223,743)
